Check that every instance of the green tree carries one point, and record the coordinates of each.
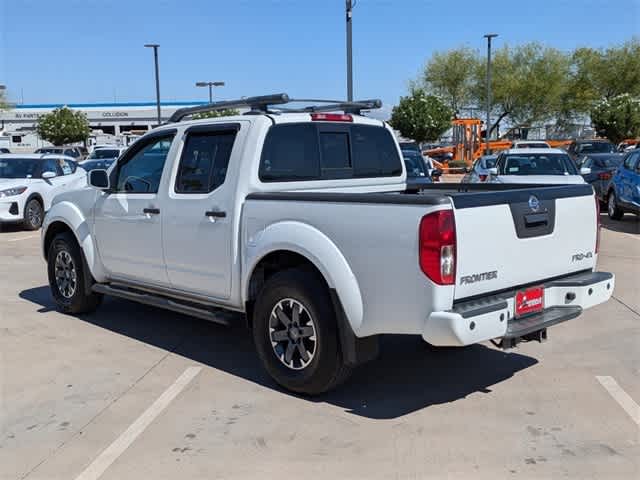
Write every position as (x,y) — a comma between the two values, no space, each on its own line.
(603,74)
(617,118)
(3,99)
(227,112)
(528,84)
(63,126)
(450,76)
(421,117)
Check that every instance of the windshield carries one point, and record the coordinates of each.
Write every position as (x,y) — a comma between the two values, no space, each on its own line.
(611,161)
(105,153)
(531,145)
(49,150)
(19,168)
(97,164)
(488,162)
(536,164)
(596,147)
(414,165)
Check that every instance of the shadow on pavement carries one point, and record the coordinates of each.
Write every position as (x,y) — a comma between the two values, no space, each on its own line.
(629,223)
(12,228)
(408,376)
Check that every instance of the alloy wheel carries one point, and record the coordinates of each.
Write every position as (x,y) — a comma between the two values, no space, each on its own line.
(292,333)
(611,204)
(34,214)
(65,273)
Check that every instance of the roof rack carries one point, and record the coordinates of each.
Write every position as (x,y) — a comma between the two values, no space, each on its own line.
(261,104)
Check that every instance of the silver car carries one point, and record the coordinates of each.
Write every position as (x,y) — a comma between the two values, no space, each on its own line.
(479,171)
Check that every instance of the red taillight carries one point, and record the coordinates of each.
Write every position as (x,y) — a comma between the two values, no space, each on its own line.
(482,177)
(604,175)
(331,117)
(597,223)
(438,247)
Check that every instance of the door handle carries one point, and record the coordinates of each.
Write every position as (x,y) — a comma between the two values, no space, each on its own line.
(151,211)
(215,214)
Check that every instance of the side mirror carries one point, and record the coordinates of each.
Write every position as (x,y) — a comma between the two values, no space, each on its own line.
(436,173)
(585,171)
(49,174)
(493,171)
(99,179)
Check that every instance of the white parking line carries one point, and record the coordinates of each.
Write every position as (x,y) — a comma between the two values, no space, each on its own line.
(22,238)
(124,441)
(622,397)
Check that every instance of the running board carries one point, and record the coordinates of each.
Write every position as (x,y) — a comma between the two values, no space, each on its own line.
(217,315)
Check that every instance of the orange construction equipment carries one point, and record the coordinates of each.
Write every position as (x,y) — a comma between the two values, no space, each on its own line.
(469,144)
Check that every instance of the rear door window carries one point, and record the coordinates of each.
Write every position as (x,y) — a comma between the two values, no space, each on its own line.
(204,161)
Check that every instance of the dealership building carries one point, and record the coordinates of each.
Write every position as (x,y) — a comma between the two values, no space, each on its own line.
(17,125)
(111,118)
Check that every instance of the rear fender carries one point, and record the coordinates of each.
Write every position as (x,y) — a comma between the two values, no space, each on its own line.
(70,215)
(319,249)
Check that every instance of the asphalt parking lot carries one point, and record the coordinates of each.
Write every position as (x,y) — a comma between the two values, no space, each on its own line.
(135,392)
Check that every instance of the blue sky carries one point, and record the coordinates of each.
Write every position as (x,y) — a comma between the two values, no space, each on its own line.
(72,51)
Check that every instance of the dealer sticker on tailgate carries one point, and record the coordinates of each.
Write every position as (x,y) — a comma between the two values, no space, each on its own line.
(530,300)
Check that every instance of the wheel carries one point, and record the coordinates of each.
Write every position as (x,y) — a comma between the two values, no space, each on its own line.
(33,215)
(67,276)
(613,210)
(296,333)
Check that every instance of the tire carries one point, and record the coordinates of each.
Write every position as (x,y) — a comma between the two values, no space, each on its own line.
(66,272)
(613,210)
(313,329)
(33,214)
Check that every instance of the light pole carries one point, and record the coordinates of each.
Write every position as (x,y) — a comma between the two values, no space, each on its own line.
(349,11)
(488,36)
(155,58)
(210,85)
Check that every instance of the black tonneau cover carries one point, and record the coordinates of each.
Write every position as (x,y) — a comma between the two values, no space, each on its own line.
(462,195)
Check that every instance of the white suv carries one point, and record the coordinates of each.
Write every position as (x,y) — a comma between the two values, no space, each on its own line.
(28,184)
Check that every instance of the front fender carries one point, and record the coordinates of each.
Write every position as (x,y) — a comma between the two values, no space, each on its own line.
(319,249)
(69,214)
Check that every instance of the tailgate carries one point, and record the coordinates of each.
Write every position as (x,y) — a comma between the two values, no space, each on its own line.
(506,239)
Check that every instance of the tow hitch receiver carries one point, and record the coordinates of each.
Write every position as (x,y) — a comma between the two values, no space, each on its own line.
(512,342)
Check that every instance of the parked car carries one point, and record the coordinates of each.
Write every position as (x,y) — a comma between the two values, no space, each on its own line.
(296,224)
(579,148)
(602,166)
(418,175)
(101,158)
(530,144)
(536,166)
(479,171)
(4,150)
(624,189)
(410,147)
(28,184)
(73,152)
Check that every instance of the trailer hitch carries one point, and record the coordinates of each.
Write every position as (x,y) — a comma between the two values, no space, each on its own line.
(508,343)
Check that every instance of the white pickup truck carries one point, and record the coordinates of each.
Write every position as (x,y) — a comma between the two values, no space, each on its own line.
(296,221)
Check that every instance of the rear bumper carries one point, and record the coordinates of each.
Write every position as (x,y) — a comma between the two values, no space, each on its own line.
(492,317)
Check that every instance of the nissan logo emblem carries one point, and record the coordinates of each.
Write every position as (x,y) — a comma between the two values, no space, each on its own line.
(534,203)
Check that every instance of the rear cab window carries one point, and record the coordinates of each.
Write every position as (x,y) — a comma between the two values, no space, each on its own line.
(328,151)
